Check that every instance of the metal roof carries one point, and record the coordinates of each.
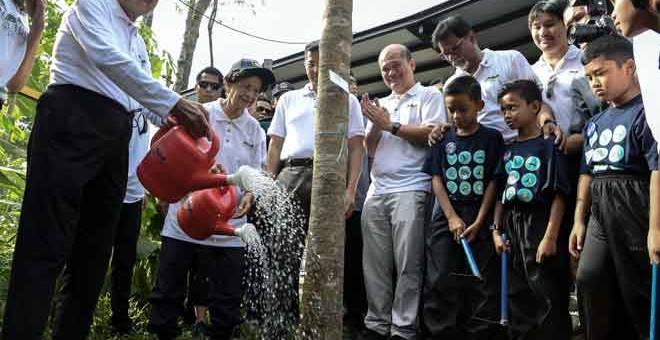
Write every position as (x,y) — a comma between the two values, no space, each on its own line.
(499,24)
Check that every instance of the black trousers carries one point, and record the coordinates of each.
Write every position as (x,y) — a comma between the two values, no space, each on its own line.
(355,296)
(457,305)
(198,287)
(614,274)
(224,267)
(76,180)
(538,293)
(123,260)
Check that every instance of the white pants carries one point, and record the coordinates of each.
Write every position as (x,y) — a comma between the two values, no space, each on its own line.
(393,254)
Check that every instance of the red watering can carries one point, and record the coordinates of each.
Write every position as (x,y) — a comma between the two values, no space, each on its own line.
(207,212)
(178,164)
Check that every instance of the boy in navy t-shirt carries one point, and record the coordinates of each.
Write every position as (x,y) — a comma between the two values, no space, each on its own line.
(533,182)
(614,276)
(462,164)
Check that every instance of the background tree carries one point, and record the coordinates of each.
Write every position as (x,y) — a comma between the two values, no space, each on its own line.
(322,290)
(196,9)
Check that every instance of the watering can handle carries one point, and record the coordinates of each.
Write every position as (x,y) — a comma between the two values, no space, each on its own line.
(170,123)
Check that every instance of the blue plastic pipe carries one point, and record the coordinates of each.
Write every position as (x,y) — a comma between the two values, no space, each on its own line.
(468,253)
(504,304)
(654,298)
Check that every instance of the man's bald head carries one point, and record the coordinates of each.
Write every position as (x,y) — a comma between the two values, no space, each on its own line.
(395,50)
(397,68)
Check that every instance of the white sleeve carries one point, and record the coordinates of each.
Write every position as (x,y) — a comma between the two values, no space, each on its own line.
(521,69)
(355,120)
(261,148)
(278,123)
(91,28)
(433,107)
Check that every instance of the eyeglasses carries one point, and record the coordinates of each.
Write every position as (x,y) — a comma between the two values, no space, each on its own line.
(452,50)
(206,84)
(139,121)
(261,109)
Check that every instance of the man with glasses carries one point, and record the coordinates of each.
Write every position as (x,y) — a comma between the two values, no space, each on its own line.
(209,85)
(457,43)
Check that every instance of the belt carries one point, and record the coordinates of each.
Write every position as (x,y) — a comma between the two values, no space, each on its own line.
(307,162)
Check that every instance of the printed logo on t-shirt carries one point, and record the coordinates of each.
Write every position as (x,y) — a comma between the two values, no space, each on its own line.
(465,188)
(464,157)
(478,187)
(451,174)
(605,137)
(450,148)
(452,187)
(451,159)
(479,157)
(610,149)
(478,172)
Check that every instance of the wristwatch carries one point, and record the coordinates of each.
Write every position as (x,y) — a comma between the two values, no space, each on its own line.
(395,128)
(494,227)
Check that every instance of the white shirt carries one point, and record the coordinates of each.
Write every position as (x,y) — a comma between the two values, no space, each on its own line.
(397,164)
(496,69)
(14,30)
(294,121)
(243,142)
(99,48)
(137,149)
(646,48)
(560,80)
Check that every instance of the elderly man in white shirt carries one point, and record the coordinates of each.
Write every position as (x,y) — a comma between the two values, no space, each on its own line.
(394,212)
(78,161)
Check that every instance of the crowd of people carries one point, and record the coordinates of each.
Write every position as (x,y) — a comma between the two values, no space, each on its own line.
(554,164)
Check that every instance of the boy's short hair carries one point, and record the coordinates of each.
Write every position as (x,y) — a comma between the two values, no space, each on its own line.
(464,85)
(610,47)
(553,8)
(528,90)
(452,25)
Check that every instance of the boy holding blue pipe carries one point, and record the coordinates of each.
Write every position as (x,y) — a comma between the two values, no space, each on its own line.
(458,305)
(533,181)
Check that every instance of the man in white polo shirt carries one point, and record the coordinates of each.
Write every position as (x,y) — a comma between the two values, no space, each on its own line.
(78,164)
(292,133)
(394,212)
(457,42)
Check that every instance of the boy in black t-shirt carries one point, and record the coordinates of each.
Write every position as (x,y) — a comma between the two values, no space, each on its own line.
(532,180)
(614,276)
(456,304)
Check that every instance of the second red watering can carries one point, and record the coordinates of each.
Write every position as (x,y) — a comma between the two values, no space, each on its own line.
(207,212)
(178,164)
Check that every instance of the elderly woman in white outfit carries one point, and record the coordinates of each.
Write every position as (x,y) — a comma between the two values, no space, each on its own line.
(243,143)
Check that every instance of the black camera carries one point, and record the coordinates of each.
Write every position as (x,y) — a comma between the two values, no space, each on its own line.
(598,25)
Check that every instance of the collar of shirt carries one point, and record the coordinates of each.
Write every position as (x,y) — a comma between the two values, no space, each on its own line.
(572,53)
(308,92)
(413,91)
(121,14)
(222,116)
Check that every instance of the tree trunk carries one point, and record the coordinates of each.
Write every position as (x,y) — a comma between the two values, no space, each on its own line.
(322,289)
(190,35)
